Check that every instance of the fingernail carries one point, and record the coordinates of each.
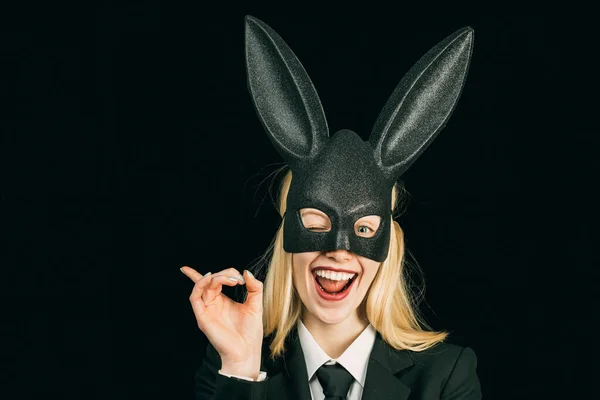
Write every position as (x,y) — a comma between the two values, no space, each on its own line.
(241,279)
(181,269)
(233,279)
(250,274)
(207,275)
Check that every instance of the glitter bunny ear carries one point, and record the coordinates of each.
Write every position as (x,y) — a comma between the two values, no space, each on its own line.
(421,104)
(283,95)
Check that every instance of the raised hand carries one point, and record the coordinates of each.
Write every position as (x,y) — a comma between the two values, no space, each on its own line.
(234,329)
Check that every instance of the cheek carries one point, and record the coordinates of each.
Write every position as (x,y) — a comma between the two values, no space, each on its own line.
(301,261)
(300,266)
(297,265)
(370,272)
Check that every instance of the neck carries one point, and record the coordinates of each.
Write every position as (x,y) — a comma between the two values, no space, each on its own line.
(334,339)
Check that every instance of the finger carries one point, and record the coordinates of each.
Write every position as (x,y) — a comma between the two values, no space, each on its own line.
(201,285)
(191,273)
(229,272)
(214,288)
(255,292)
(196,276)
(196,298)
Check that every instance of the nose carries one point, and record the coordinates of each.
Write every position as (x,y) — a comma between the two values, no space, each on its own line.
(339,255)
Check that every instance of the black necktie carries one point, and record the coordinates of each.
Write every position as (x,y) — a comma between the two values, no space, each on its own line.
(335,380)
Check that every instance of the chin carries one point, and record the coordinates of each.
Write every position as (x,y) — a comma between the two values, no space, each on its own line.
(334,321)
(330,316)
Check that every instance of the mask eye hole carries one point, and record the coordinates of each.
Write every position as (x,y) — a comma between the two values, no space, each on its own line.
(315,220)
(367,226)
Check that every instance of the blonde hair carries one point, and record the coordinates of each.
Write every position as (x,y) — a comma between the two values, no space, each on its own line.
(388,305)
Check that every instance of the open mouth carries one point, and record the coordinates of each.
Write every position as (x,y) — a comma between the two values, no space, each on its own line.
(333,287)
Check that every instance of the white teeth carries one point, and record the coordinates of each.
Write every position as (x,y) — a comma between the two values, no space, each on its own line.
(335,276)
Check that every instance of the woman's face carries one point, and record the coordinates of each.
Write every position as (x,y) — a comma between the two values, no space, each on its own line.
(305,265)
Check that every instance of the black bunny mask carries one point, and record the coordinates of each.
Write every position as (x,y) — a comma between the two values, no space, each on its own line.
(342,175)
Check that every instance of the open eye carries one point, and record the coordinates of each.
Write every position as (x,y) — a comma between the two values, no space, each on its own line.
(315,220)
(364,229)
(367,226)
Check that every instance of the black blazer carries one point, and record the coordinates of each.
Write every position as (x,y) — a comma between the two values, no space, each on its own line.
(445,371)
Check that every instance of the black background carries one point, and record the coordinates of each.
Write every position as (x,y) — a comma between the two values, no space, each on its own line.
(130,147)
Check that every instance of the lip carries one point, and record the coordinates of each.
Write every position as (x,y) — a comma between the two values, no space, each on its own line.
(328,268)
(332,297)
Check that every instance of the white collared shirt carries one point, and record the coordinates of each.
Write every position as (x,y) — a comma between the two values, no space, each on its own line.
(355,359)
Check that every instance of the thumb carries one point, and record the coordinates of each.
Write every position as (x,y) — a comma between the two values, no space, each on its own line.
(255,292)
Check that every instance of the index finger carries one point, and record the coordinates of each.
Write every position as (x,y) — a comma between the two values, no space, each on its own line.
(191,273)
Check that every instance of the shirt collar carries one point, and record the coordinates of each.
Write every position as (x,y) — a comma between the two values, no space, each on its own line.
(355,359)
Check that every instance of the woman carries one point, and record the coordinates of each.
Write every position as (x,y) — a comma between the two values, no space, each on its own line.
(334,318)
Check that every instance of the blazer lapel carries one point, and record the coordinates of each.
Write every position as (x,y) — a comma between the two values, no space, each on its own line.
(288,377)
(381,382)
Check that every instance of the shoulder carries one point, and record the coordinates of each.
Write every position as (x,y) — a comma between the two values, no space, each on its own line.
(443,355)
(452,367)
